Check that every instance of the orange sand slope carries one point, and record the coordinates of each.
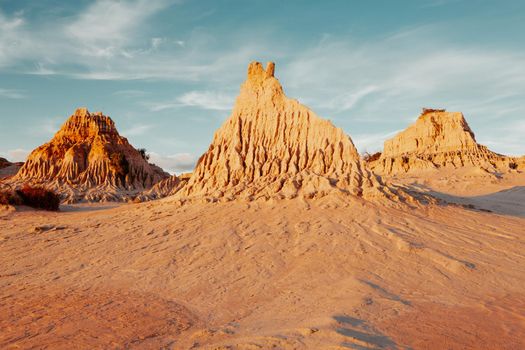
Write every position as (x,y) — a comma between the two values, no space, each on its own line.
(328,273)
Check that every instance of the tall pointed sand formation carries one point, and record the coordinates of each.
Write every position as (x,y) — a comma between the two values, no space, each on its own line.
(438,139)
(88,160)
(273,147)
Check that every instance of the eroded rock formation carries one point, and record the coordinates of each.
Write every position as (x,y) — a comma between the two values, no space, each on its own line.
(165,188)
(273,147)
(88,160)
(438,139)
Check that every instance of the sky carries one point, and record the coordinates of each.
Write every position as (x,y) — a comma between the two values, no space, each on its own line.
(168,71)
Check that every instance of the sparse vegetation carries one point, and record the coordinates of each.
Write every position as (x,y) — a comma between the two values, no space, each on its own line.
(9,197)
(513,165)
(35,197)
(38,197)
(144,153)
(432,110)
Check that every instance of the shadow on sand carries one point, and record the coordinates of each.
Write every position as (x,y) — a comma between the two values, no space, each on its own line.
(68,208)
(506,202)
(361,336)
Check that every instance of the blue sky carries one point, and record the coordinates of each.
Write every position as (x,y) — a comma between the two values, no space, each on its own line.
(168,71)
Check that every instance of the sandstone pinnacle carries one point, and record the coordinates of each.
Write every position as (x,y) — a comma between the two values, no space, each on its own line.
(272,146)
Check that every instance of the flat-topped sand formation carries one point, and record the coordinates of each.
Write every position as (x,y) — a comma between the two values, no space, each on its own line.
(438,139)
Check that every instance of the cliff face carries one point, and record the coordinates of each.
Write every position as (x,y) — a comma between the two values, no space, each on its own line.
(521,163)
(165,188)
(87,159)
(273,147)
(438,139)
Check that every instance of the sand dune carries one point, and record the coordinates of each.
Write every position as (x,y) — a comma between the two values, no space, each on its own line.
(329,273)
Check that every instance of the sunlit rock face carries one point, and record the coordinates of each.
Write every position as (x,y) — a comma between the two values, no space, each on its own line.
(438,139)
(88,160)
(272,146)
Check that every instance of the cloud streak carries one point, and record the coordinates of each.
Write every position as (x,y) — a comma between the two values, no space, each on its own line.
(11,94)
(175,163)
(137,130)
(210,100)
(114,40)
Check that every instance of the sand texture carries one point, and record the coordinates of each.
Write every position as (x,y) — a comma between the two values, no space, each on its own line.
(328,273)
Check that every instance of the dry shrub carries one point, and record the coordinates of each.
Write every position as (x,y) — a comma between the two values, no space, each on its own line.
(432,110)
(8,197)
(38,197)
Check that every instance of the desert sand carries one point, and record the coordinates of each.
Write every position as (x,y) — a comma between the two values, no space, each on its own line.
(282,238)
(328,273)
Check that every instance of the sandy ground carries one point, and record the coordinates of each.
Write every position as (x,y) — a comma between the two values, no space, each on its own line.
(332,273)
(499,193)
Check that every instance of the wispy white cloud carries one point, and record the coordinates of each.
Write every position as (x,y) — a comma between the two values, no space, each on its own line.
(438,3)
(47,127)
(130,93)
(372,142)
(137,130)
(175,163)
(11,94)
(113,40)
(40,68)
(508,137)
(208,100)
(112,25)
(212,100)
(347,101)
(11,45)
